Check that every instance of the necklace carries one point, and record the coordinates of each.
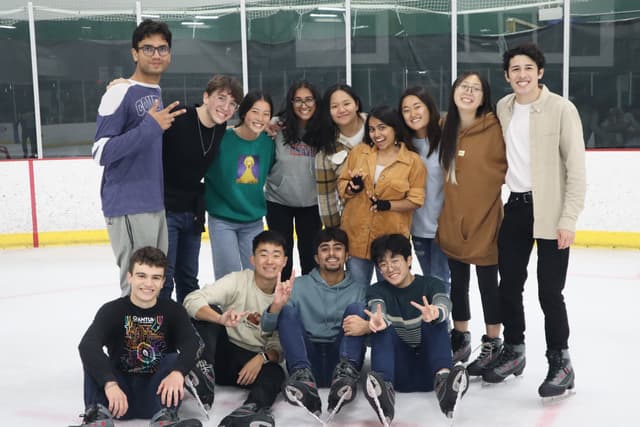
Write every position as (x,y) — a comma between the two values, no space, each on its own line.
(213,134)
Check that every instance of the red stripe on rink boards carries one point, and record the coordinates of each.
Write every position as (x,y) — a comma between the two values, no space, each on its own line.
(34,215)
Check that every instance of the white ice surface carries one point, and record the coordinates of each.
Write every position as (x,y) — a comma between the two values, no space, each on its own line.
(48,297)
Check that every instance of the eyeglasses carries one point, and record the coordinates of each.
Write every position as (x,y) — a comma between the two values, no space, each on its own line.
(468,88)
(225,101)
(390,263)
(306,101)
(149,50)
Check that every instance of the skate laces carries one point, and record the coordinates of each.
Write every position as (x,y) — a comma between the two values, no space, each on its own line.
(555,365)
(303,375)
(345,369)
(486,350)
(206,369)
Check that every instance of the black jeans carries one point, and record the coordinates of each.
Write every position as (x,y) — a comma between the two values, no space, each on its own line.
(228,359)
(307,222)
(488,284)
(514,247)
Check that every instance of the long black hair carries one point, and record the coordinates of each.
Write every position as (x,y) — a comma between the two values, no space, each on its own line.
(291,127)
(434,131)
(326,135)
(449,141)
(251,98)
(390,117)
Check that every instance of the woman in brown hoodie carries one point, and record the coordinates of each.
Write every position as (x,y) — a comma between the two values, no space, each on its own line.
(474,161)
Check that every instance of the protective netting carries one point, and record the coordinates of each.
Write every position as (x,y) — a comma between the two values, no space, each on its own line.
(12,11)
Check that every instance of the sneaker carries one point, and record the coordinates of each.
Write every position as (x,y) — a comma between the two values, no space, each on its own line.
(96,415)
(343,383)
(511,360)
(489,352)
(202,382)
(460,346)
(560,377)
(381,396)
(248,415)
(301,387)
(449,385)
(168,417)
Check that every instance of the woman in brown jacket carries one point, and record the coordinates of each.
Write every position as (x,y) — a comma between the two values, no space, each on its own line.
(382,184)
(474,161)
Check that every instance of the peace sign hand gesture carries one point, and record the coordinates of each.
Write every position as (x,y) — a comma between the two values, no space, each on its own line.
(376,320)
(165,117)
(429,312)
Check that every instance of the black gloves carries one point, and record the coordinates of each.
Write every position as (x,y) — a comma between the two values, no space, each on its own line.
(381,205)
(356,181)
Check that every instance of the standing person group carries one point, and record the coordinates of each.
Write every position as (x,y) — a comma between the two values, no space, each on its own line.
(414,176)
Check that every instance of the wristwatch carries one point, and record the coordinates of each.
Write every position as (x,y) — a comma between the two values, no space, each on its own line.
(265,357)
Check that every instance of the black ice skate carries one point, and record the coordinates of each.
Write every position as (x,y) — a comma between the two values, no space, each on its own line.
(344,385)
(560,377)
(511,360)
(248,415)
(96,415)
(300,389)
(450,386)
(200,382)
(460,346)
(489,352)
(381,396)
(168,417)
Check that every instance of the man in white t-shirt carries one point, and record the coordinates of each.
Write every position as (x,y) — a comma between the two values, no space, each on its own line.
(546,177)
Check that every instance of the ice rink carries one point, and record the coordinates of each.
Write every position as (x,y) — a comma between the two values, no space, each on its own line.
(49,295)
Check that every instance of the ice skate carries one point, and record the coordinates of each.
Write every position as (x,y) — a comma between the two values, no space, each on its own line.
(300,389)
(96,415)
(344,385)
(488,353)
(381,396)
(460,346)
(560,380)
(511,360)
(168,417)
(200,383)
(450,387)
(248,415)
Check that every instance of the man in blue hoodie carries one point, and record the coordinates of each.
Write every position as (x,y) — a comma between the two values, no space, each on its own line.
(322,327)
(128,143)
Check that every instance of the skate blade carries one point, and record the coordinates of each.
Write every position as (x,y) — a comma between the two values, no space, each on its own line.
(297,402)
(374,390)
(194,393)
(552,400)
(335,410)
(507,380)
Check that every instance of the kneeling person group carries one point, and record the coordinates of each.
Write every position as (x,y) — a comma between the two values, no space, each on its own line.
(249,321)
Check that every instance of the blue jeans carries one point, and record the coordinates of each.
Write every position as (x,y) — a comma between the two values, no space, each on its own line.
(320,357)
(140,389)
(231,244)
(362,269)
(182,256)
(411,369)
(432,260)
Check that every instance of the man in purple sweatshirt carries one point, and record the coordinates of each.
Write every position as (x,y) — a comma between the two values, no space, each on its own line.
(128,143)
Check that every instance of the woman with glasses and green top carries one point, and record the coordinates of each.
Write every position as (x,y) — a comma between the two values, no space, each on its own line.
(291,185)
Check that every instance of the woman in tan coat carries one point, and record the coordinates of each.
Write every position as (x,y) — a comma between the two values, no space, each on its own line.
(474,160)
(382,184)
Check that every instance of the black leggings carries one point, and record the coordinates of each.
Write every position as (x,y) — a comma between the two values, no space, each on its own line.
(488,284)
(228,359)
